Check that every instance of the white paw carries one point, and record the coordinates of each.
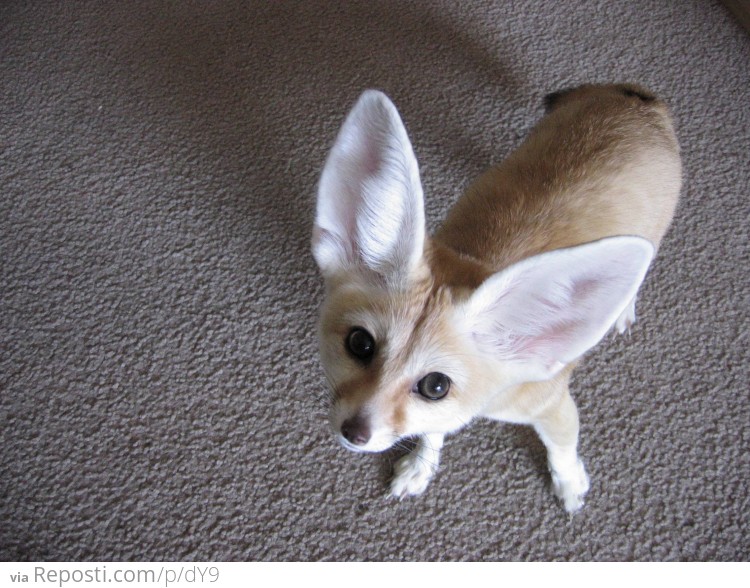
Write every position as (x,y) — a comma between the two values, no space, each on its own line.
(571,486)
(411,475)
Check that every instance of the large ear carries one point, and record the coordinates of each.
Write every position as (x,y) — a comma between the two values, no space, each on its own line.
(546,311)
(370,212)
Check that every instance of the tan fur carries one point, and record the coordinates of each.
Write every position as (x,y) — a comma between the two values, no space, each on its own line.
(600,164)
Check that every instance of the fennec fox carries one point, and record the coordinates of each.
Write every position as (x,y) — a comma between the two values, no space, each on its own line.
(542,255)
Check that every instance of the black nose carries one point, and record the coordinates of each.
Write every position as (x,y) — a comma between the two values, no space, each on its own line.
(356,430)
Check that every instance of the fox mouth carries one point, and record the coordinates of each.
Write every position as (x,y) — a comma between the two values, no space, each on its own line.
(351,446)
(377,443)
(378,448)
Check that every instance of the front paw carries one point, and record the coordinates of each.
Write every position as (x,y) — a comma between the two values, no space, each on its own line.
(571,485)
(411,475)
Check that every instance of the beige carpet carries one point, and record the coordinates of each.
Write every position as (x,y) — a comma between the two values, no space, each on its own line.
(160,390)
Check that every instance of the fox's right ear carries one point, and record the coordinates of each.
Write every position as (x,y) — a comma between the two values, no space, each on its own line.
(370,211)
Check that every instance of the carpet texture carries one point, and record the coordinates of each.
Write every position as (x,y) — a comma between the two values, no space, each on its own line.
(161,394)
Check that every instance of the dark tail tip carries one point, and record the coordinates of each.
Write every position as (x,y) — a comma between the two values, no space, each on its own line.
(637,92)
(551,100)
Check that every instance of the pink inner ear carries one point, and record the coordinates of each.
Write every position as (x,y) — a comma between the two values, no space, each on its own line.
(566,316)
(550,309)
(549,344)
(372,160)
(546,325)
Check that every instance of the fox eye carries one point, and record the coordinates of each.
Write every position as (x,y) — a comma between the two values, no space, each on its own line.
(434,386)
(360,344)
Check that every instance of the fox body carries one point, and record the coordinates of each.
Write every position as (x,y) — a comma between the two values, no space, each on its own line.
(541,256)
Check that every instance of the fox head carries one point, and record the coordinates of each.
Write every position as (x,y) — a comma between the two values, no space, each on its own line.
(417,339)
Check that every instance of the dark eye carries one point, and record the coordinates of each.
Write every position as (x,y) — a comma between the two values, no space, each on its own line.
(360,344)
(434,386)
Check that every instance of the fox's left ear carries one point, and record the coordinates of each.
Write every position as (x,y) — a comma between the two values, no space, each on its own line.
(370,214)
(548,310)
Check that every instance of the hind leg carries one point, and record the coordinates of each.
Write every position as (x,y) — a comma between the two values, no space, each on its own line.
(627,318)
